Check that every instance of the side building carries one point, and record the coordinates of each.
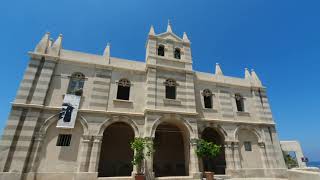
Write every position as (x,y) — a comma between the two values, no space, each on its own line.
(162,99)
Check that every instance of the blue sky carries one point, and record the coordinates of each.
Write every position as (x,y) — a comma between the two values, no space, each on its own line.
(279,39)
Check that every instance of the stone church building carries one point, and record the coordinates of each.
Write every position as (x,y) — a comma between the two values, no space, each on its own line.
(162,99)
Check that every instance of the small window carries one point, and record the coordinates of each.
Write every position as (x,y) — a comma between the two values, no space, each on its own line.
(207,98)
(161,50)
(123,89)
(64,140)
(170,89)
(247,146)
(76,84)
(239,103)
(177,53)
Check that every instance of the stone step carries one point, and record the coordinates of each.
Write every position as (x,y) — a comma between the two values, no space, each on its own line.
(116,178)
(175,178)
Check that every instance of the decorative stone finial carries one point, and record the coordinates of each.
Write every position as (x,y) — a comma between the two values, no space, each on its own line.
(218,70)
(43,44)
(151,32)
(247,74)
(185,37)
(255,78)
(50,42)
(55,49)
(106,51)
(169,29)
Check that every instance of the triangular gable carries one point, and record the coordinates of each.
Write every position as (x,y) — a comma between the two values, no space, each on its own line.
(169,35)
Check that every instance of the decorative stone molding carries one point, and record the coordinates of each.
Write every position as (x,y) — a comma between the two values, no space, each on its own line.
(261,144)
(39,136)
(172,102)
(228,144)
(86,138)
(235,145)
(97,139)
(193,141)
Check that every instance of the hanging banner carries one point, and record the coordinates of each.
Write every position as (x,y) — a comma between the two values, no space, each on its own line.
(68,114)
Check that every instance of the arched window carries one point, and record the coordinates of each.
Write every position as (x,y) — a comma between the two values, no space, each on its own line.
(76,84)
(177,53)
(161,50)
(207,98)
(170,88)
(239,103)
(123,89)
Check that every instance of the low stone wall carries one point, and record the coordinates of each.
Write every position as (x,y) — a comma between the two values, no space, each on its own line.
(299,174)
(258,173)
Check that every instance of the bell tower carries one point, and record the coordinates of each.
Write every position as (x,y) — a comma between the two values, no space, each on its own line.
(168,50)
(168,59)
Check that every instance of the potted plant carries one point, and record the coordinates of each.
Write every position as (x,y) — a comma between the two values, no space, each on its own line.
(207,150)
(142,148)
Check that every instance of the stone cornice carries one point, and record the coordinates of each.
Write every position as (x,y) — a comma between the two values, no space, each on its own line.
(39,56)
(170,59)
(170,112)
(237,122)
(157,66)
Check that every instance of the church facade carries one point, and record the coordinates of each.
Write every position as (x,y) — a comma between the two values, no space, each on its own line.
(75,115)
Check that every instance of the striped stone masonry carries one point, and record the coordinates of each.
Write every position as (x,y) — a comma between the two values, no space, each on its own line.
(100,90)
(28,82)
(30,138)
(41,89)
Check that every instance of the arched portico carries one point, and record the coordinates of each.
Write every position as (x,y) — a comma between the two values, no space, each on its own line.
(173,134)
(171,151)
(217,164)
(116,154)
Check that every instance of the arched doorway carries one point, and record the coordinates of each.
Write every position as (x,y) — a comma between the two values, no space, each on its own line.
(217,164)
(171,151)
(116,154)
(250,155)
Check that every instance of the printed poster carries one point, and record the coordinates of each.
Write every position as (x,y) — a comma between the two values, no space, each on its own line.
(68,114)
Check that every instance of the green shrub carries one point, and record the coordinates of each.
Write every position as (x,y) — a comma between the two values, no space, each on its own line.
(142,148)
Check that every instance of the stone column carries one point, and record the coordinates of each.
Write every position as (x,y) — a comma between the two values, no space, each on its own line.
(263,153)
(85,153)
(194,170)
(34,162)
(148,164)
(95,154)
(236,155)
(228,155)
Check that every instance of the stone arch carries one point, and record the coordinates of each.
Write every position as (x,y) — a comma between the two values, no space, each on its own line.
(178,132)
(220,130)
(217,135)
(176,120)
(59,158)
(54,118)
(115,152)
(123,119)
(252,129)
(249,147)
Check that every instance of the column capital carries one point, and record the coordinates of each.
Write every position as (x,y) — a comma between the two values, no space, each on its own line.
(149,138)
(261,144)
(235,144)
(86,138)
(97,139)
(193,141)
(228,144)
